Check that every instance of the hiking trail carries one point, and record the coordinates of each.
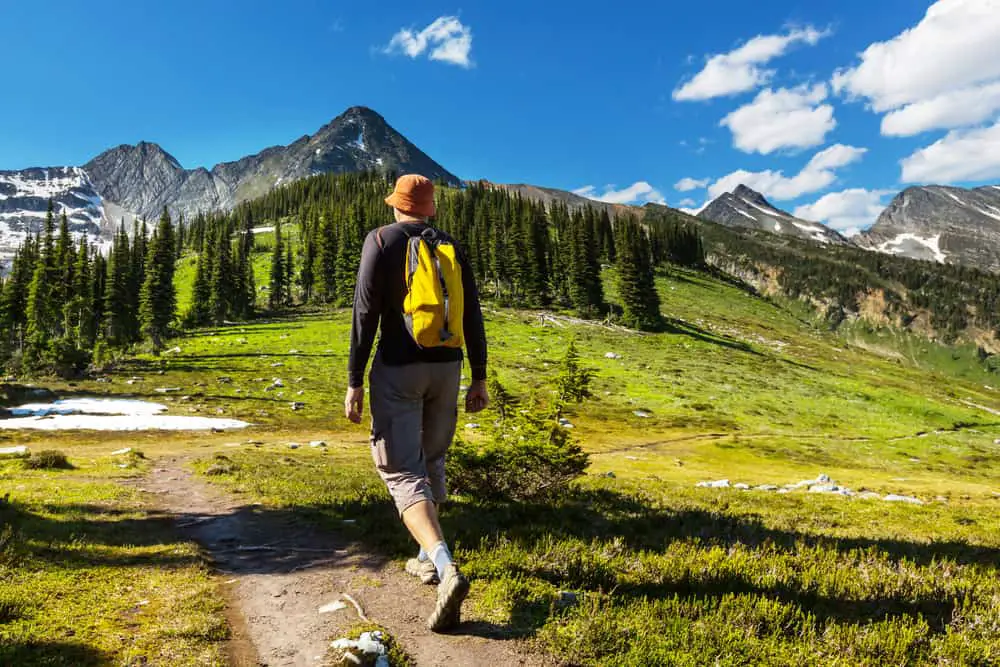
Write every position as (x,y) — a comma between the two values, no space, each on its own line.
(277,570)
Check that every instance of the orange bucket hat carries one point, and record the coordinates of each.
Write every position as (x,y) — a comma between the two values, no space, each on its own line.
(414,194)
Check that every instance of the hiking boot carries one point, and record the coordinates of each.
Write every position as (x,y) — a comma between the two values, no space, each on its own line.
(423,570)
(451,593)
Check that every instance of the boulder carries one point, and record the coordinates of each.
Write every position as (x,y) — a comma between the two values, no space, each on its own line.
(298,405)
(718,484)
(894,498)
(167,390)
(612,355)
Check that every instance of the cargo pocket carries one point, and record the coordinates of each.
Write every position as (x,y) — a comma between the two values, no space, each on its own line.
(381,447)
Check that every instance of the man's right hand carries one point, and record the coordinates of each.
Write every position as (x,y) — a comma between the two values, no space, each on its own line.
(354,403)
(478,397)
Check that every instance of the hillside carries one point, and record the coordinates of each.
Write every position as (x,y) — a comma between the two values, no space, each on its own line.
(744,208)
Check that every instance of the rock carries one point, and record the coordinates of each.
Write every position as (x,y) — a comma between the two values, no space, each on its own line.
(293,352)
(612,355)
(14,452)
(119,452)
(567,598)
(473,426)
(823,478)
(276,382)
(277,364)
(824,488)
(642,414)
(297,405)
(173,350)
(225,379)
(766,487)
(300,393)
(997,441)
(104,380)
(719,484)
(894,498)
(318,443)
(300,379)
(294,445)
(463,388)
(167,390)
(741,486)
(631,458)
(609,475)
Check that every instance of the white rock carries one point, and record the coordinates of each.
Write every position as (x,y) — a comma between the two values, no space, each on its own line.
(824,488)
(718,484)
(766,487)
(13,452)
(741,486)
(276,382)
(612,355)
(318,443)
(298,405)
(642,414)
(277,364)
(119,452)
(336,605)
(472,426)
(173,350)
(167,390)
(894,498)
(997,441)
(294,352)
(823,478)
(870,495)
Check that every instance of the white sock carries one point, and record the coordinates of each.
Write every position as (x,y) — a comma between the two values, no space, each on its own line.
(441,557)
(422,556)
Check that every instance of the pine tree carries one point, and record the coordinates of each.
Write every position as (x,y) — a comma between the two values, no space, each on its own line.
(43,309)
(158,302)
(306,273)
(117,293)
(200,313)
(277,294)
(221,278)
(636,282)
(326,275)
(14,301)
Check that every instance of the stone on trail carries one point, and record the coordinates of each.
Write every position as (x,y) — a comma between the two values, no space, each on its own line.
(336,605)
(718,484)
(894,498)
(13,452)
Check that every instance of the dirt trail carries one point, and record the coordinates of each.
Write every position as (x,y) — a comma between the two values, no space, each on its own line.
(279,571)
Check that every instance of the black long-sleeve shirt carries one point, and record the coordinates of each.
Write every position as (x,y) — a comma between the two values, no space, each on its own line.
(378,299)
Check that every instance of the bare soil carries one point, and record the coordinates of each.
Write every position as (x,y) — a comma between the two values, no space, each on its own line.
(277,570)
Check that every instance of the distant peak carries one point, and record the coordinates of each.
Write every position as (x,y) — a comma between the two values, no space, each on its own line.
(747,193)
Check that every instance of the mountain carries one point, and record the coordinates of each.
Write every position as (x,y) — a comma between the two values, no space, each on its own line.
(24,201)
(144,178)
(943,224)
(570,200)
(748,209)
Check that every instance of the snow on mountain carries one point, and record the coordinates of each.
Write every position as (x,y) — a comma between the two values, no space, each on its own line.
(748,209)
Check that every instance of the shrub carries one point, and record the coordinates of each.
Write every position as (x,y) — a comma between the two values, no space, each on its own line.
(48,459)
(523,457)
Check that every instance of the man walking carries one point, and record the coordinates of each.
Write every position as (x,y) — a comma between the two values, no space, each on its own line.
(414,387)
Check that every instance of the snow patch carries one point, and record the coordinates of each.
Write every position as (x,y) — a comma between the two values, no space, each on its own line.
(262,230)
(933,243)
(744,213)
(105,414)
(360,141)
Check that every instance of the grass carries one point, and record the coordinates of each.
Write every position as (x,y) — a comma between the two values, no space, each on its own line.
(89,576)
(635,569)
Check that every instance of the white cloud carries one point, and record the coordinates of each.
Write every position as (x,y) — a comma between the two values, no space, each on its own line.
(687,184)
(961,108)
(783,118)
(816,175)
(742,69)
(941,73)
(847,211)
(447,38)
(962,155)
(639,192)
(686,203)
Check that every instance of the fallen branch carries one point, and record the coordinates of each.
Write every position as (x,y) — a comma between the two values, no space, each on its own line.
(357,607)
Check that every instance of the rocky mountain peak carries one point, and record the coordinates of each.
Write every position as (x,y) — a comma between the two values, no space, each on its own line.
(744,192)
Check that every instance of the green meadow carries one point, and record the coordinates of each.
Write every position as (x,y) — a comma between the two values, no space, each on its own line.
(633,564)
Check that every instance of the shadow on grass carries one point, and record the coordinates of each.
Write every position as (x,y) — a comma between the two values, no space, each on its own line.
(680,327)
(50,654)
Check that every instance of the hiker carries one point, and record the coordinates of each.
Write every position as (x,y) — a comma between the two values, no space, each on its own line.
(415,282)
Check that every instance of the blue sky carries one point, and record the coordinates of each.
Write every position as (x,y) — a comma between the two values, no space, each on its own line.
(828,108)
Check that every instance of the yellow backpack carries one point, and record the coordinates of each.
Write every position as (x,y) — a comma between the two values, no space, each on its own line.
(434,302)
